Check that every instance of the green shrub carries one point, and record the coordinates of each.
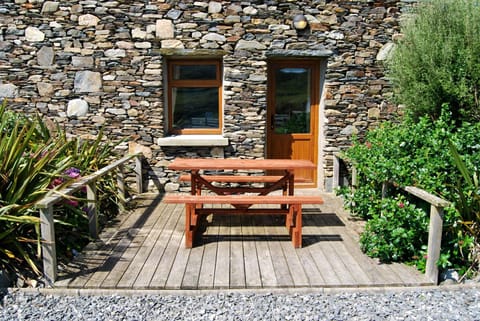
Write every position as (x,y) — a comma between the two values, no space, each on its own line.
(396,231)
(437,61)
(34,159)
(28,163)
(418,154)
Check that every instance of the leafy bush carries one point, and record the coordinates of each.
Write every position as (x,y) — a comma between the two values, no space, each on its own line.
(418,154)
(26,169)
(396,232)
(437,61)
(34,159)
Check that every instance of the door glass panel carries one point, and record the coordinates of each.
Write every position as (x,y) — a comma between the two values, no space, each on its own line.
(195,107)
(194,72)
(292,101)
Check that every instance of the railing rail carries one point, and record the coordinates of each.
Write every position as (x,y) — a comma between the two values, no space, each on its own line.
(45,207)
(435,228)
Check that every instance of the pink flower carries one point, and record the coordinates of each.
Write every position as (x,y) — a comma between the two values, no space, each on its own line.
(56,182)
(401,205)
(72,203)
(73,172)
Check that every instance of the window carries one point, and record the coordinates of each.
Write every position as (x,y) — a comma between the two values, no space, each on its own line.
(194,96)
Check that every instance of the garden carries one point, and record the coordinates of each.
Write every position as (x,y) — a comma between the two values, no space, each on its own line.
(36,158)
(434,145)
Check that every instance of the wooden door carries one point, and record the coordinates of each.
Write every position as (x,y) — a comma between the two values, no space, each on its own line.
(293,103)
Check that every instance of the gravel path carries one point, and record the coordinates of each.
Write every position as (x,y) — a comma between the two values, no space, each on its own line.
(442,303)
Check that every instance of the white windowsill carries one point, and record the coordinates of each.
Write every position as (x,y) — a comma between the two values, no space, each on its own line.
(193,140)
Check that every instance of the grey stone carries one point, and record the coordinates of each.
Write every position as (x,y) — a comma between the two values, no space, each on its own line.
(214,37)
(45,56)
(77,107)
(230,20)
(164,29)
(87,81)
(5,45)
(374,113)
(449,276)
(116,111)
(8,91)
(45,89)
(33,34)
(384,52)
(174,14)
(349,131)
(143,45)
(88,20)
(49,7)
(172,44)
(115,53)
(82,62)
(250,11)
(214,7)
(249,45)
(171,187)
(139,33)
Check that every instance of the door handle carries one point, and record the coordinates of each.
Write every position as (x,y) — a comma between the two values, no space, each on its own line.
(272,120)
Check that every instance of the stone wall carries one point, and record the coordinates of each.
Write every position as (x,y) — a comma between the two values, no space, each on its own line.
(93,63)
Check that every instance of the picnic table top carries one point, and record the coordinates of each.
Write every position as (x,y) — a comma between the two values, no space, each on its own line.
(236,163)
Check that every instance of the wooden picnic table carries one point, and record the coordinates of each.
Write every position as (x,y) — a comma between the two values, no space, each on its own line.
(201,179)
(204,173)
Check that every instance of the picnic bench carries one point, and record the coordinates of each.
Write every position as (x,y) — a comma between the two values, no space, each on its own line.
(242,200)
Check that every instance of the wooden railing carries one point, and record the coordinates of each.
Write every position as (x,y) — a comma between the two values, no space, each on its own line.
(435,228)
(45,207)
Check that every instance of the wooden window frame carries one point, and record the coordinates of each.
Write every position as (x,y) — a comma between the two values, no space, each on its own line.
(214,83)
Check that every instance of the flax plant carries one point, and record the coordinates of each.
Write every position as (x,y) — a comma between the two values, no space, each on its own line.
(29,159)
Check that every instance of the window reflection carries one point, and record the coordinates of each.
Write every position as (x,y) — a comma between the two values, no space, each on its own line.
(292,101)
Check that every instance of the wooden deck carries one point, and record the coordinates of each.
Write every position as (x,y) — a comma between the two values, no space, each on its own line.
(145,250)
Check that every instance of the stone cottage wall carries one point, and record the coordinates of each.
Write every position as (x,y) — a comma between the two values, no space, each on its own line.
(92,64)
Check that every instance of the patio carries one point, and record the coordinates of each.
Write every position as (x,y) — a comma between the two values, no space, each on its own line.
(144,249)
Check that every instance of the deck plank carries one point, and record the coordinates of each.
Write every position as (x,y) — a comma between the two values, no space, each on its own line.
(145,275)
(145,250)
(177,239)
(210,243)
(252,270)
(139,262)
(237,265)
(222,266)
(267,270)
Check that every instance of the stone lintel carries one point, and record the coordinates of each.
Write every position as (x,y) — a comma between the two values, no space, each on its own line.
(175,52)
(282,53)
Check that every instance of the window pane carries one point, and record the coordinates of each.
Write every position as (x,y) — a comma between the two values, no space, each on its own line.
(194,72)
(195,108)
(292,101)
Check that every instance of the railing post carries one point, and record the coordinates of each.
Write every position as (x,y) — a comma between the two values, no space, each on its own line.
(434,242)
(92,209)
(336,172)
(139,174)
(121,187)
(49,252)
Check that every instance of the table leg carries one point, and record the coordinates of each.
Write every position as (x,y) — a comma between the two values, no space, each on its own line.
(189,227)
(296,230)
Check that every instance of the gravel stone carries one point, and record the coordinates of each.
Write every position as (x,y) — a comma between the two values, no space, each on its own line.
(452,303)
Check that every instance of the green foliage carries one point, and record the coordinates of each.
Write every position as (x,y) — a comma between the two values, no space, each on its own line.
(418,154)
(26,170)
(34,159)
(437,60)
(396,231)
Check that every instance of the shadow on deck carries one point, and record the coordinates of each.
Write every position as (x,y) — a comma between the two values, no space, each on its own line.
(144,249)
